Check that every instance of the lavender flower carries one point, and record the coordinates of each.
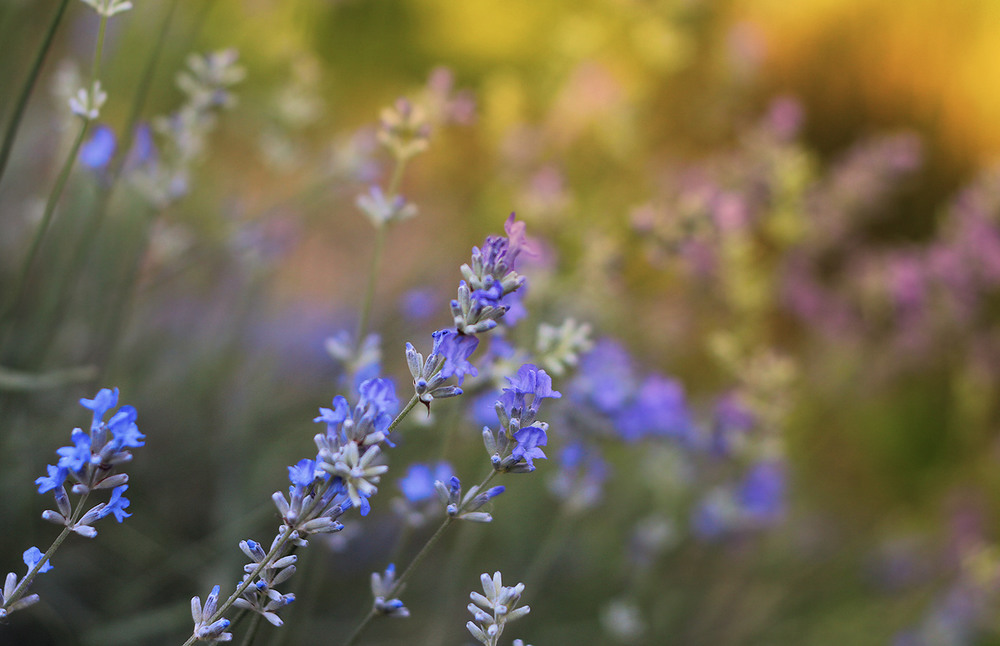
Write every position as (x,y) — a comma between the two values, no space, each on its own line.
(382,587)
(494,609)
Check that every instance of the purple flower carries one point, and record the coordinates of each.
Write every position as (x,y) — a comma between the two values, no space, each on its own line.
(514,302)
(334,417)
(418,485)
(117,504)
(732,420)
(658,409)
(97,152)
(419,304)
(77,456)
(303,473)
(456,349)
(55,479)
(378,396)
(762,492)
(103,401)
(122,425)
(32,556)
(529,382)
(606,377)
(528,440)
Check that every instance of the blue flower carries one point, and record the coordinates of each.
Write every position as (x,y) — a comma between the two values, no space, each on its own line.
(123,427)
(31,558)
(419,304)
(732,419)
(761,495)
(528,440)
(514,303)
(103,401)
(55,479)
(334,417)
(378,402)
(97,152)
(456,349)
(302,474)
(606,377)
(658,409)
(116,504)
(77,456)
(530,381)
(418,485)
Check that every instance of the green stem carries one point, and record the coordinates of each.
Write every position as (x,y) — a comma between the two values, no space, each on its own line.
(369,296)
(57,190)
(50,207)
(398,585)
(22,587)
(283,539)
(252,630)
(22,99)
(380,229)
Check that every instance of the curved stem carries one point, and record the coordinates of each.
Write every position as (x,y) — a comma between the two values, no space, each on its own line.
(398,585)
(57,190)
(22,587)
(50,207)
(22,100)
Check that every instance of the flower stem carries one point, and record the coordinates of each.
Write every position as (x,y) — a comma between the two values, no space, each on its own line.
(63,177)
(25,583)
(380,232)
(398,585)
(50,207)
(22,100)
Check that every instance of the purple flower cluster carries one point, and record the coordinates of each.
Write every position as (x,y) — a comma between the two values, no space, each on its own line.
(90,462)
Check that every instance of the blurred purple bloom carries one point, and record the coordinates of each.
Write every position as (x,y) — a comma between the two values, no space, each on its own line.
(658,409)
(418,485)
(97,151)
(731,420)
(761,495)
(419,304)
(606,377)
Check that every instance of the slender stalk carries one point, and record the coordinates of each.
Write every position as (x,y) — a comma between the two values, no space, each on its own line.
(252,630)
(10,132)
(22,587)
(398,585)
(63,177)
(380,232)
(279,545)
(369,297)
(50,207)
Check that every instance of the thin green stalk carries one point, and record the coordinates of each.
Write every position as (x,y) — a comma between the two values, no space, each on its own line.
(369,297)
(251,634)
(22,99)
(278,546)
(57,190)
(50,207)
(398,585)
(22,587)
(380,232)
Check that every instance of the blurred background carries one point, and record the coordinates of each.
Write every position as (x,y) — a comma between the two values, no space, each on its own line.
(781,221)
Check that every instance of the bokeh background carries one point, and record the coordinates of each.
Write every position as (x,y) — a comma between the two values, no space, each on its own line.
(790,210)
